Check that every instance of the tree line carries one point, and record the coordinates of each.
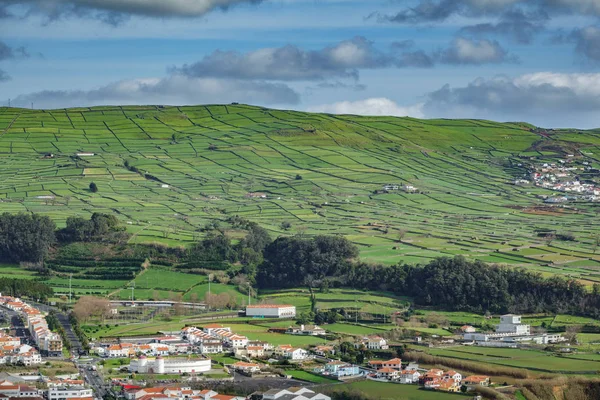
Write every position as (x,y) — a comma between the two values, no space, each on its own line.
(29,237)
(25,288)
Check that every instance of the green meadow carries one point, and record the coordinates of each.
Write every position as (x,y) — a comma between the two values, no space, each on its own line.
(322,174)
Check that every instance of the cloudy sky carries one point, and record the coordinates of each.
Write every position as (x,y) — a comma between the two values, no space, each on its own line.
(507,60)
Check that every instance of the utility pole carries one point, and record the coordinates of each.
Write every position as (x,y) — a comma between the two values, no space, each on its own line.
(209,280)
(70,291)
(249,291)
(132,298)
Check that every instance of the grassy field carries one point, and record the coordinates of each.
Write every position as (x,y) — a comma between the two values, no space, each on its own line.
(528,359)
(198,164)
(309,377)
(392,391)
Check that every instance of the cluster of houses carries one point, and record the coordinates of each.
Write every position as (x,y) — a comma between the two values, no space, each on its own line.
(187,393)
(49,343)
(560,177)
(57,390)
(12,351)
(393,187)
(214,338)
(176,393)
(435,379)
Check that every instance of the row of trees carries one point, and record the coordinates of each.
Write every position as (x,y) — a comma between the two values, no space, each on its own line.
(25,288)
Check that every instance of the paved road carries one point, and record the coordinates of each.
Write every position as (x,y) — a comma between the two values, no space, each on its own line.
(94,379)
(63,319)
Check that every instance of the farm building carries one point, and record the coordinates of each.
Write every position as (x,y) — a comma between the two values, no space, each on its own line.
(271,311)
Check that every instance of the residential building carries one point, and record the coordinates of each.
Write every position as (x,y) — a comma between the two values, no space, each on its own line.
(372,343)
(339,369)
(323,350)
(246,367)
(271,311)
(452,376)
(66,392)
(476,380)
(307,330)
(212,346)
(388,373)
(10,389)
(409,376)
(394,363)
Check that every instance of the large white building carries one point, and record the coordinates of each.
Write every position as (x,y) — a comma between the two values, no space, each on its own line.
(271,311)
(179,365)
(66,392)
(511,323)
(511,332)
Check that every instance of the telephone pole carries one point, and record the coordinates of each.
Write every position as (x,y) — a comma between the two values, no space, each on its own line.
(249,291)
(70,291)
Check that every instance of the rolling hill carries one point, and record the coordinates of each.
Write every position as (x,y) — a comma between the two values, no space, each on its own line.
(168,171)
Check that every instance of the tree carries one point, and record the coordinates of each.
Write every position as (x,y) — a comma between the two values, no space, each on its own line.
(595,242)
(90,306)
(293,261)
(93,187)
(286,225)
(298,177)
(25,237)
(401,235)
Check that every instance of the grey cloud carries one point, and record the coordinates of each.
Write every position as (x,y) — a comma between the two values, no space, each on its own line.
(343,60)
(416,59)
(7,52)
(291,63)
(403,44)
(170,90)
(521,27)
(547,99)
(427,11)
(114,11)
(588,42)
(357,87)
(4,76)
(476,52)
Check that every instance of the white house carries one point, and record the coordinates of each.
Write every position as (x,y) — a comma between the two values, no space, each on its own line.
(271,311)
(246,367)
(409,376)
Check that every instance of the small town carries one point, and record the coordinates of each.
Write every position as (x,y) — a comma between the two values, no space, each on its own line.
(191,360)
(563,176)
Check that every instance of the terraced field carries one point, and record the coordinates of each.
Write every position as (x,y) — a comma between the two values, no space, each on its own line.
(167,171)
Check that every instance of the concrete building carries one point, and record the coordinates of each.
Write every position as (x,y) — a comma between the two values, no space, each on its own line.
(511,323)
(160,365)
(271,311)
(66,392)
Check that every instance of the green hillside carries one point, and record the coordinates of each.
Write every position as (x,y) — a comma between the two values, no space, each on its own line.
(168,171)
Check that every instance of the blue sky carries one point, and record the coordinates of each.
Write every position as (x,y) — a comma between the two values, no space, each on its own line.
(533,60)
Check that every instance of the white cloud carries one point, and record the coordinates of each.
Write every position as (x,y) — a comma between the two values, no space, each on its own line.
(543,98)
(372,106)
(176,90)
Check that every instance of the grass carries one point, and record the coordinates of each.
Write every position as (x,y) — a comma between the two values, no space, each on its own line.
(392,391)
(309,377)
(462,168)
(529,359)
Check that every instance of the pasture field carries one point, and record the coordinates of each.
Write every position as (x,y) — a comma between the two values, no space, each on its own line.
(529,359)
(309,377)
(322,173)
(393,391)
